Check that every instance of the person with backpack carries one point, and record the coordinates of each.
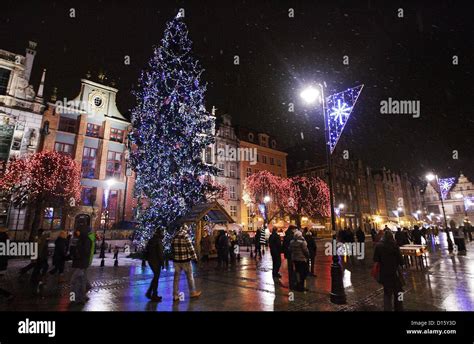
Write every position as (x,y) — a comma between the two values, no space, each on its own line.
(156,261)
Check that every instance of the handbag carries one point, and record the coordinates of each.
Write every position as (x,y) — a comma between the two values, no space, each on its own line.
(376,271)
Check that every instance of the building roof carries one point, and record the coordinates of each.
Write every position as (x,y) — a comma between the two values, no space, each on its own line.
(214,211)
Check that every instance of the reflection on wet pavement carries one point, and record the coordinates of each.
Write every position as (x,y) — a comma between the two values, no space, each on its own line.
(447,284)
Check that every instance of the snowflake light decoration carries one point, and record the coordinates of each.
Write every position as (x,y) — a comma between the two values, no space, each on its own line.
(445,185)
(339,107)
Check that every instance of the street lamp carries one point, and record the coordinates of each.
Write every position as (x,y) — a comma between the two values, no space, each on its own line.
(338,296)
(430,177)
(109,183)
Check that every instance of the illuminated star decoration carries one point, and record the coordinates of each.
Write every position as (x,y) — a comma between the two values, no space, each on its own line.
(468,202)
(339,107)
(445,185)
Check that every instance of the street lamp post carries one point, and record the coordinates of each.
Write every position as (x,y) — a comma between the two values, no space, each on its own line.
(430,177)
(109,184)
(338,296)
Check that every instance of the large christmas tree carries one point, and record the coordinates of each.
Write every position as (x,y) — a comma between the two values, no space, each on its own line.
(171,129)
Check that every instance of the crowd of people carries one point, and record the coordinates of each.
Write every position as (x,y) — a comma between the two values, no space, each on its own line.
(297,246)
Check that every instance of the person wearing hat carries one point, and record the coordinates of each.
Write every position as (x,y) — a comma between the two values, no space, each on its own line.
(4,263)
(183,254)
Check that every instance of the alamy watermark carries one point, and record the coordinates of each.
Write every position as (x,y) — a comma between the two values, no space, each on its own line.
(356,249)
(230,153)
(19,249)
(400,107)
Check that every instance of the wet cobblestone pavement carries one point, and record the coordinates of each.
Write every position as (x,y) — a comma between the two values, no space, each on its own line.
(446,285)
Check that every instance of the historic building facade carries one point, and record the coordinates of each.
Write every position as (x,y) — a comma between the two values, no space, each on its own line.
(458,205)
(21,111)
(268,157)
(93,132)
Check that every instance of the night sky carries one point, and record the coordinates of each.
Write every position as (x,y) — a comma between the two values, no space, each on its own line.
(406,58)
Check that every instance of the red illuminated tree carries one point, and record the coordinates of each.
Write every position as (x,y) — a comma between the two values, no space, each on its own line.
(41,179)
(262,184)
(307,197)
(296,197)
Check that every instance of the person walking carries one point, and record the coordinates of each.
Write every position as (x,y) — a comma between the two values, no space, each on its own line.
(373,233)
(205,246)
(183,254)
(400,237)
(59,255)
(275,251)
(388,255)
(4,264)
(80,263)
(308,236)
(41,267)
(156,261)
(289,234)
(299,256)
(258,243)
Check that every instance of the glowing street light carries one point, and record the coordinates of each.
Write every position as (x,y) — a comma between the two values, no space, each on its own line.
(430,177)
(266,199)
(310,94)
(341,206)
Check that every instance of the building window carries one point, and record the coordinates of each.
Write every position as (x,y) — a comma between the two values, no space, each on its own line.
(88,162)
(264,159)
(4,78)
(278,162)
(88,196)
(232,173)
(114,164)
(93,130)
(232,192)
(272,161)
(64,148)
(220,169)
(249,171)
(458,209)
(111,204)
(274,144)
(68,125)
(251,137)
(233,210)
(51,218)
(116,135)
(208,155)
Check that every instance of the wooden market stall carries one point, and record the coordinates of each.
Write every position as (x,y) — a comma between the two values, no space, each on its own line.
(206,215)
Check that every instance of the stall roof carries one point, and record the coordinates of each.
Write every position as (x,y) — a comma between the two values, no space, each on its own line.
(215,212)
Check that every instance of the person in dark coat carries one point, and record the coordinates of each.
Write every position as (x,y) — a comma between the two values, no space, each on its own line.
(4,263)
(311,243)
(401,238)
(59,255)
(416,234)
(80,263)
(388,254)
(222,247)
(41,266)
(156,260)
(379,236)
(373,233)
(360,235)
(275,251)
(258,243)
(289,233)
